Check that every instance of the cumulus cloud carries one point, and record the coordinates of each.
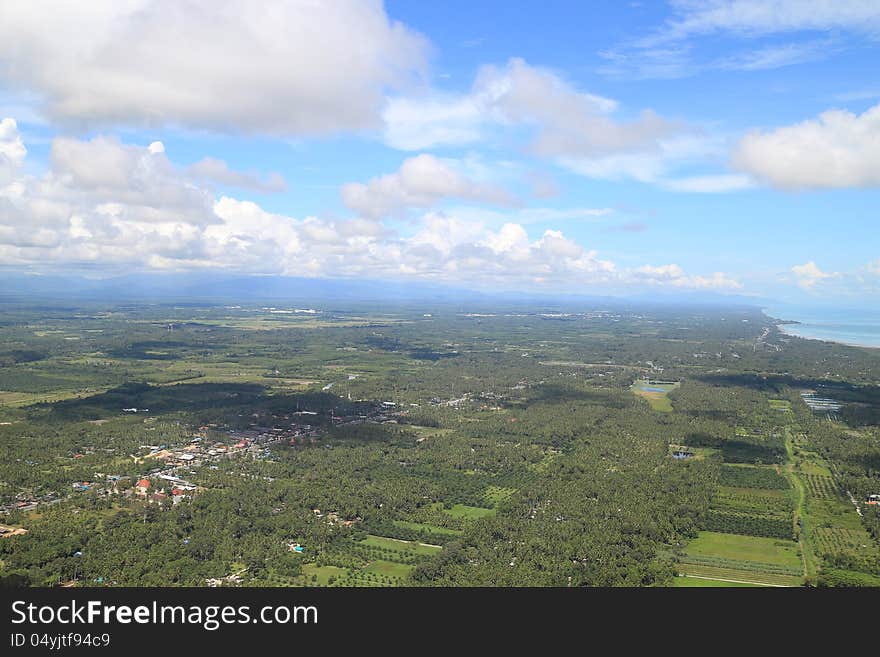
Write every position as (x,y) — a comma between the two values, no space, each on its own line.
(421,182)
(657,165)
(290,68)
(531,215)
(218,171)
(675,276)
(104,204)
(839,149)
(577,130)
(565,122)
(808,275)
(12,150)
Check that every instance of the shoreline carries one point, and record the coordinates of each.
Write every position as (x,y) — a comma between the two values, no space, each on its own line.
(781,329)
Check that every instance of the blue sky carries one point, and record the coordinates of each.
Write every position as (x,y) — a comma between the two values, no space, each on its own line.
(730,147)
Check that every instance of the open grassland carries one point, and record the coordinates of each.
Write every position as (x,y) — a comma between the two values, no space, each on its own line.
(698,581)
(467,512)
(657,394)
(398,545)
(315,575)
(746,548)
(431,529)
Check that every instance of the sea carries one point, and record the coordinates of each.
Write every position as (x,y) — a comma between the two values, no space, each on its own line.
(858,327)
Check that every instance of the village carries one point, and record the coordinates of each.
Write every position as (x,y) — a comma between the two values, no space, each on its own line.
(208,444)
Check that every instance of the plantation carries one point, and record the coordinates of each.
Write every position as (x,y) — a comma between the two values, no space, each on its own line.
(752,477)
(822,487)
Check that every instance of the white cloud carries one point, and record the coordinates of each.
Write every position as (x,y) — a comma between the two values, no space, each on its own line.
(809,274)
(654,165)
(419,122)
(292,68)
(12,150)
(777,56)
(564,122)
(839,149)
(218,171)
(421,182)
(873,267)
(104,204)
(673,275)
(710,184)
(578,131)
(674,49)
(754,17)
(530,215)
(113,178)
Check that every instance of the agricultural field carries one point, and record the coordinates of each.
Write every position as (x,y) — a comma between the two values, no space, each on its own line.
(469,512)
(656,392)
(429,446)
(696,581)
(743,559)
(398,545)
(745,548)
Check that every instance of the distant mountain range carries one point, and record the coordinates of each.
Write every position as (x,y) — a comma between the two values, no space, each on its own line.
(163,288)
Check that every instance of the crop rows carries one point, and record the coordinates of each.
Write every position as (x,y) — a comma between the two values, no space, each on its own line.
(714,572)
(746,477)
(370,553)
(723,562)
(822,487)
(752,502)
(834,540)
(750,525)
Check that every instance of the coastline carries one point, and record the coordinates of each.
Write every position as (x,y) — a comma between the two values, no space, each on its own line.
(784,327)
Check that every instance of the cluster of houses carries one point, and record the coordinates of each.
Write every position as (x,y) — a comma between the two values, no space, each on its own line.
(161,488)
(332,518)
(28,502)
(169,487)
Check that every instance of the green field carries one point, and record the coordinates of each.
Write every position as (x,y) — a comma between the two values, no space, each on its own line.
(658,396)
(399,545)
(696,581)
(388,568)
(431,529)
(467,512)
(745,548)
(322,574)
